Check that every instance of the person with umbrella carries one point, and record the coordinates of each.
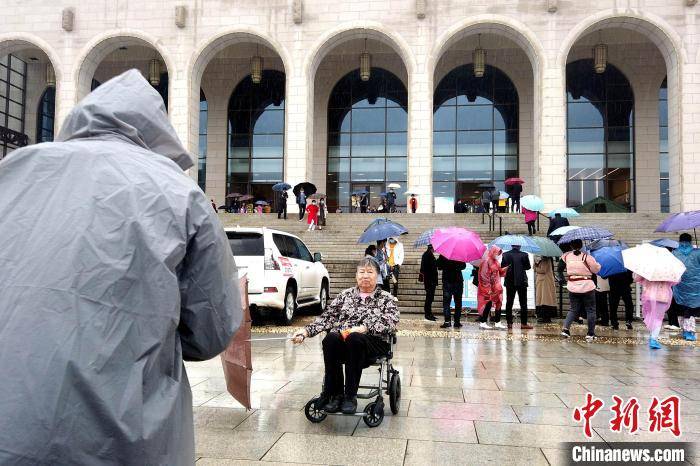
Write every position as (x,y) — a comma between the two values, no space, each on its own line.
(580,268)
(282,207)
(486,199)
(322,212)
(429,276)
(516,263)
(364,202)
(490,290)
(301,201)
(312,218)
(452,288)
(391,200)
(621,288)
(686,294)
(516,190)
(530,220)
(545,289)
(395,256)
(556,222)
(382,260)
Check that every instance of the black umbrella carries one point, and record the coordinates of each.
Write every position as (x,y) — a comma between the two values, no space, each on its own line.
(309,188)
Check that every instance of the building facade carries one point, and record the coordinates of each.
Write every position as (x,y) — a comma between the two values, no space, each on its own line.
(580,99)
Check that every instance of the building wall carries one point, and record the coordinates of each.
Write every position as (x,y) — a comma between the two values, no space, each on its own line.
(669,26)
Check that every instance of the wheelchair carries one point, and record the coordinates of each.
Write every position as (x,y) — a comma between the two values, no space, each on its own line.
(373,413)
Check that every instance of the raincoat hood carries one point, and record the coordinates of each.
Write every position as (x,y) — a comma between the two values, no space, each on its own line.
(685,247)
(127,107)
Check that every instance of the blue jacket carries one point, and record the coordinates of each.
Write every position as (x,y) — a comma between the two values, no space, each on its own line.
(687,292)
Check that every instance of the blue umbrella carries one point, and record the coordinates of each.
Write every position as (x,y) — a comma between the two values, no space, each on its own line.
(260,203)
(565,212)
(506,243)
(424,238)
(360,192)
(382,194)
(382,229)
(279,187)
(503,195)
(610,260)
(585,234)
(533,203)
(548,247)
(665,243)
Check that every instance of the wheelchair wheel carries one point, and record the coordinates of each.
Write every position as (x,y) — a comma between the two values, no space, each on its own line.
(395,393)
(314,413)
(374,414)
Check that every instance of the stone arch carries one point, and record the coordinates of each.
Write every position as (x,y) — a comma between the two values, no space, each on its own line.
(99,47)
(15,42)
(670,46)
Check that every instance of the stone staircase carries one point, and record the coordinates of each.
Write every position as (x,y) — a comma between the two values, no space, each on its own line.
(337,242)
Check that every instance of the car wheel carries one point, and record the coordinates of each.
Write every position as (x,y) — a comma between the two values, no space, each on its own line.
(290,305)
(323,298)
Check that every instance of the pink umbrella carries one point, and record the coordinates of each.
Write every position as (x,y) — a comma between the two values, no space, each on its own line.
(510,181)
(458,244)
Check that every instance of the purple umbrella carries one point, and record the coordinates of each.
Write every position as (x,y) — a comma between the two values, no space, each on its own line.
(585,234)
(681,221)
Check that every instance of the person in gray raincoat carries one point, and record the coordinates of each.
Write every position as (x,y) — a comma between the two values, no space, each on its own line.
(113,269)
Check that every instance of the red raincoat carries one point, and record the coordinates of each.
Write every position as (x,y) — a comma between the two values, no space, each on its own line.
(312,210)
(490,287)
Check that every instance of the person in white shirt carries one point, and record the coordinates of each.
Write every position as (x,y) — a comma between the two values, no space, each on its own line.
(395,256)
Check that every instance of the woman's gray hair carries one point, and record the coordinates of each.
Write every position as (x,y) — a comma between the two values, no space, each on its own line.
(369,262)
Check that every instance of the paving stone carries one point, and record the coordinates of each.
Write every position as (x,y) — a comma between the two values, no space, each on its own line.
(421,453)
(452,430)
(265,420)
(512,398)
(472,384)
(306,448)
(227,443)
(219,418)
(530,435)
(465,411)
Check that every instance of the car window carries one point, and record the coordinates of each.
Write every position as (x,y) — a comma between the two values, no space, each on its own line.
(246,244)
(304,253)
(285,245)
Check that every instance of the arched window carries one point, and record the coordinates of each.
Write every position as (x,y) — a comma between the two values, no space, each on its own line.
(256,136)
(202,159)
(367,137)
(663,147)
(475,134)
(45,115)
(600,135)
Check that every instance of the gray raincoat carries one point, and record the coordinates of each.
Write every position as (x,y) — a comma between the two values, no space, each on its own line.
(113,267)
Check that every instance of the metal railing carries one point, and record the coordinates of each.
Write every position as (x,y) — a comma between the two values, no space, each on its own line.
(492,221)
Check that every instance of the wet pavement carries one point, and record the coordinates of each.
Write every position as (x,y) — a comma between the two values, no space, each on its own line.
(469,397)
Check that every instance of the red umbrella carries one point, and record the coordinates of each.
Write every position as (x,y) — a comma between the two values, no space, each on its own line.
(510,181)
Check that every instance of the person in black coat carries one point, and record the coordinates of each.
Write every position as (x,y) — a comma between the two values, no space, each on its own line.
(557,222)
(452,287)
(429,275)
(621,288)
(515,281)
(282,207)
(515,191)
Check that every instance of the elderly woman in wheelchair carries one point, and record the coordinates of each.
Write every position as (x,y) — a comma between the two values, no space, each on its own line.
(361,323)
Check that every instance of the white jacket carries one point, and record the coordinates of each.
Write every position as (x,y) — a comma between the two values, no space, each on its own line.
(398,253)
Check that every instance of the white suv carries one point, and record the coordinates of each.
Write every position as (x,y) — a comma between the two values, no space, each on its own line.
(282,273)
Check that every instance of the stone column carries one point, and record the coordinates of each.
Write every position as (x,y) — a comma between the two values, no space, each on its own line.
(551,159)
(297,157)
(420,139)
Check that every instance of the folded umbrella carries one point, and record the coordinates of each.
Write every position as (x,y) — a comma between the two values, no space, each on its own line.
(533,203)
(548,248)
(565,212)
(585,234)
(382,229)
(309,188)
(506,243)
(458,244)
(653,263)
(665,243)
(561,231)
(511,181)
(236,358)
(279,187)
(610,260)
(424,238)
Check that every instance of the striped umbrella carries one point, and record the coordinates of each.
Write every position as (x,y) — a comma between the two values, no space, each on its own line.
(585,234)
(424,238)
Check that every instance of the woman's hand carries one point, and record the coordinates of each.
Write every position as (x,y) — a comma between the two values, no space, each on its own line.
(358,329)
(300,336)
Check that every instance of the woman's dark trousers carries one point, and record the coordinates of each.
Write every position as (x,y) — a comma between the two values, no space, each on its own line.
(582,304)
(357,351)
(449,291)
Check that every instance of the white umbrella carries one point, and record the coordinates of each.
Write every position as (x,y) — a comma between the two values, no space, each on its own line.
(561,231)
(393,186)
(653,263)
